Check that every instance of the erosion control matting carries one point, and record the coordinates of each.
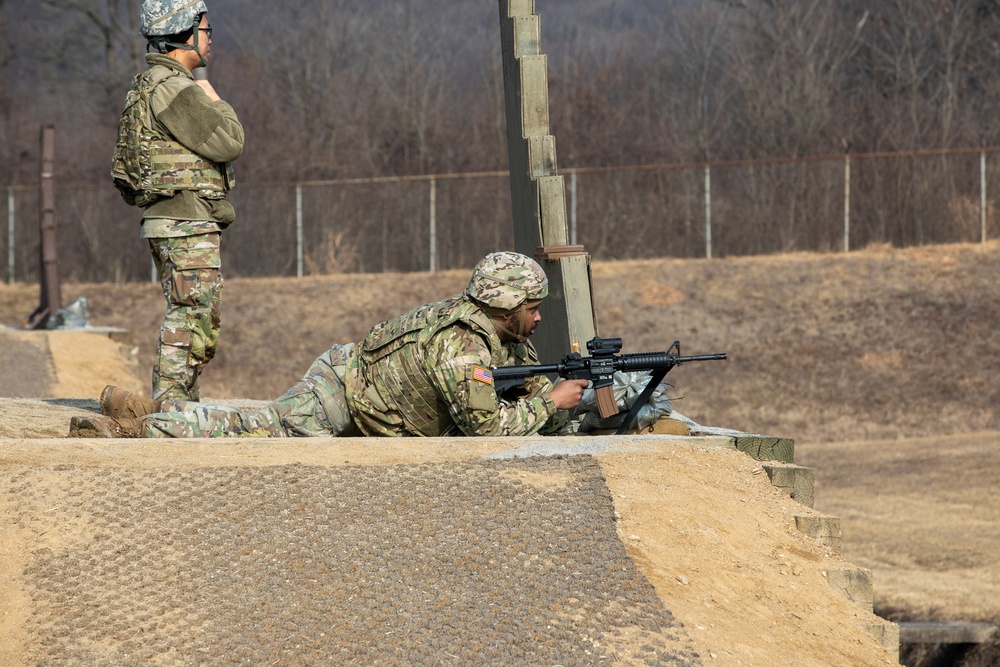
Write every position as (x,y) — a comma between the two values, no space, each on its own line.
(479,562)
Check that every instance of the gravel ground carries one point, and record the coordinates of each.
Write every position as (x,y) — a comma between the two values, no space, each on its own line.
(472,563)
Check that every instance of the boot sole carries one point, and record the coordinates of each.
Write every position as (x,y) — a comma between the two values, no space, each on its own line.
(84,427)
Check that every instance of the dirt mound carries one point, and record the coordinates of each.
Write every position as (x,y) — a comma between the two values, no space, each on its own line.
(414,551)
(205,566)
(881,364)
(75,363)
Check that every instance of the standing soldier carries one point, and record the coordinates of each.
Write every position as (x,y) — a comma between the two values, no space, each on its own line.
(176,139)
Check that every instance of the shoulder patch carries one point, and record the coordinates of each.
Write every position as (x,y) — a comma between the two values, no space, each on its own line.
(482,374)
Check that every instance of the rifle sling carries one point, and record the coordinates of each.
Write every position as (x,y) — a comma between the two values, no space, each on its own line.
(654,381)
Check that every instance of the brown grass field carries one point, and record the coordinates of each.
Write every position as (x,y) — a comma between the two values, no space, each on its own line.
(882,364)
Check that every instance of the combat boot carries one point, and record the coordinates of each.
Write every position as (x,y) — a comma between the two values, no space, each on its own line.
(100,426)
(118,403)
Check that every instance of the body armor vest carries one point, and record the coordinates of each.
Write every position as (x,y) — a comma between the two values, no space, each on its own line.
(416,403)
(148,165)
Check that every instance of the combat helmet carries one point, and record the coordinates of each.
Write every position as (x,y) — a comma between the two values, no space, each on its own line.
(506,280)
(165,19)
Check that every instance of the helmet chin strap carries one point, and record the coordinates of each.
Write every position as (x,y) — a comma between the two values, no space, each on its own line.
(194,47)
(189,47)
(520,336)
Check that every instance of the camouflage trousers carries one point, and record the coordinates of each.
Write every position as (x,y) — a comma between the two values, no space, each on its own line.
(315,406)
(189,268)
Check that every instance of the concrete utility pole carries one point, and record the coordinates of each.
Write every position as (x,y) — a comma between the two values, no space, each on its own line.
(538,194)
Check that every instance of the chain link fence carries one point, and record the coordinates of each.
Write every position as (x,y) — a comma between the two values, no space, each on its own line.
(438,222)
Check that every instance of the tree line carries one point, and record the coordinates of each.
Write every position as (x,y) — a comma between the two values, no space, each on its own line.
(332,89)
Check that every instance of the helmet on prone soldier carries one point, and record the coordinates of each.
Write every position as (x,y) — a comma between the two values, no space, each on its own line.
(507,280)
(166,22)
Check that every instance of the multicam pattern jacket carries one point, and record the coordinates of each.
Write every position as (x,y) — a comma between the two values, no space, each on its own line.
(426,373)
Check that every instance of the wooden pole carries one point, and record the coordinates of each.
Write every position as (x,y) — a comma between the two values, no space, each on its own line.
(50,298)
(538,193)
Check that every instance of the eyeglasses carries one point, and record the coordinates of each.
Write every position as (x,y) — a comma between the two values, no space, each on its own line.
(207,31)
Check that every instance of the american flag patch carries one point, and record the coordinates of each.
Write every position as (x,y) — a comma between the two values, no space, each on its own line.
(482,374)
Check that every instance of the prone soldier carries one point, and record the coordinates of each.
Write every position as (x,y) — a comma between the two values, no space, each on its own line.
(424,373)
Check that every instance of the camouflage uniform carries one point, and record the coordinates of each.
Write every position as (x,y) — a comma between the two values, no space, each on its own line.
(184,229)
(172,158)
(315,406)
(424,373)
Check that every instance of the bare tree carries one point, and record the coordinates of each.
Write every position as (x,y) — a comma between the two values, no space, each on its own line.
(4,96)
(333,88)
(116,26)
(698,41)
(613,87)
(787,67)
(3,50)
(933,61)
(784,67)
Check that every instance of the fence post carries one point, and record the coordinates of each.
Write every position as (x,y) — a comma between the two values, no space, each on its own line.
(982,196)
(10,235)
(847,198)
(51,295)
(298,230)
(708,211)
(572,208)
(433,226)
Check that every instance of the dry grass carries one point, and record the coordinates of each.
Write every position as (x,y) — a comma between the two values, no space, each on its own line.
(875,344)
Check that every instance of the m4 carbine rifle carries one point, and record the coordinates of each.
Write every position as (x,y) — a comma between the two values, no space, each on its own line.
(599,368)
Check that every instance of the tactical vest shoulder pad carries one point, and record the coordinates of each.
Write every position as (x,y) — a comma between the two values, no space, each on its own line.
(420,324)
